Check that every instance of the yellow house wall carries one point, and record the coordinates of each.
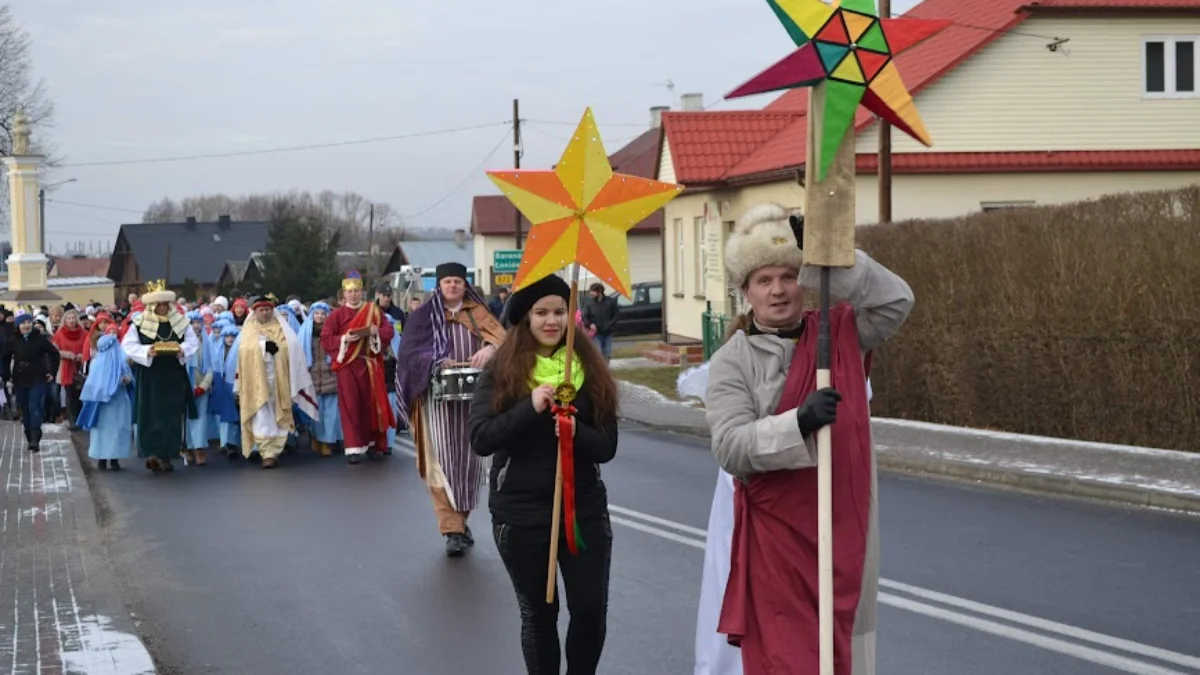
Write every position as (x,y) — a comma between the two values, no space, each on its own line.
(1015,94)
(914,196)
(82,295)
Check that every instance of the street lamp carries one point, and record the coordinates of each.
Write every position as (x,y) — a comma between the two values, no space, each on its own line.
(42,209)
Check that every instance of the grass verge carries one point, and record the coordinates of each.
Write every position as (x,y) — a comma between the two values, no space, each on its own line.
(661,379)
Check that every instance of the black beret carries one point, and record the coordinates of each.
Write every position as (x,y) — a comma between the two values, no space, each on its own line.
(522,301)
(451,269)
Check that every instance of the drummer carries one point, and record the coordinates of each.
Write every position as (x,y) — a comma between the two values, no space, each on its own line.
(451,330)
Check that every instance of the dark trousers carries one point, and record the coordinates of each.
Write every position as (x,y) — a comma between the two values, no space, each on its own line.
(32,401)
(526,553)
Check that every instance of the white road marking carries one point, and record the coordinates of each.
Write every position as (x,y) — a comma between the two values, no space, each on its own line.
(654,525)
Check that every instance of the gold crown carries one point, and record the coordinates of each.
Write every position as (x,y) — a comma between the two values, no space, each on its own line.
(352,283)
(156,286)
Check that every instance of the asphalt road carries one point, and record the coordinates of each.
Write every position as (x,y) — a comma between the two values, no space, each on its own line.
(320,567)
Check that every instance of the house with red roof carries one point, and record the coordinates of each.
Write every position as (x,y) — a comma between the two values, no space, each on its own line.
(494,218)
(1028,102)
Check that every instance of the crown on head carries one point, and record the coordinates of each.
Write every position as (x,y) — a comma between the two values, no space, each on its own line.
(156,286)
(353,281)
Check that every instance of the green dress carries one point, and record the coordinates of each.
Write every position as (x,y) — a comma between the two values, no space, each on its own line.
(163,398)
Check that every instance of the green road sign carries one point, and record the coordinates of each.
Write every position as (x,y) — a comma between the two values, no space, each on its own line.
(506,262)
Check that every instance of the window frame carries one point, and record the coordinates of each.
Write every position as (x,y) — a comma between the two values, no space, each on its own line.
(700,264)
(680,257)
(1169,67)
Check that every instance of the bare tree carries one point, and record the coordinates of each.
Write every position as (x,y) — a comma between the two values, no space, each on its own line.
(19,91)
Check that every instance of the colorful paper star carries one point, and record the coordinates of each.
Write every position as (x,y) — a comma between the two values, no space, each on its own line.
(850,49)
(581,211)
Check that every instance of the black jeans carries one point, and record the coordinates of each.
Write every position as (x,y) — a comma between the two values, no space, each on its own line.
(526,554)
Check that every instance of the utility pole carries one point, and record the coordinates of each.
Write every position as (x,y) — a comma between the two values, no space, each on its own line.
(885,146)
(517,159)
(371,246)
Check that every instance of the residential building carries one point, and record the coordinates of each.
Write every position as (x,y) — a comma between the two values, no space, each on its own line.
(179,253)
(78,266)
(494,218)
(1027,103)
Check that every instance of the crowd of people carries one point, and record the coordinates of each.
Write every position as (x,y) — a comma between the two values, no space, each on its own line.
(475,384)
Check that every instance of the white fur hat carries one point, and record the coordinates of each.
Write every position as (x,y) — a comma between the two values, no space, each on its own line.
(154,297)
(762,237)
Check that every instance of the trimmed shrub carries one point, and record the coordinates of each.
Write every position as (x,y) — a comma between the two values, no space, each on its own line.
(1076,321)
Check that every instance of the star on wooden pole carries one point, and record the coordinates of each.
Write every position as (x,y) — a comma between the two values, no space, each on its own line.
(849,49)
(581,212)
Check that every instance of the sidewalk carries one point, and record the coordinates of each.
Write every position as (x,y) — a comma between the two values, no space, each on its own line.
(65,616)
(1122,474)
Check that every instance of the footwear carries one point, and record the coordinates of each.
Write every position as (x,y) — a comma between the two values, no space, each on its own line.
(189,457)
(268,463)
(201,458)
(353,459)
(166,465)
(114,465)
(231,453)
(324,449)
(102,465)
(456,545)
(155,465)
(467,536)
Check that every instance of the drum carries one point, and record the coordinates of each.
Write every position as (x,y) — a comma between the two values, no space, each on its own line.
(455,384)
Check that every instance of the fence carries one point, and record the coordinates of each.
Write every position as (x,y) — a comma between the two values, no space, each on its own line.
(714,325)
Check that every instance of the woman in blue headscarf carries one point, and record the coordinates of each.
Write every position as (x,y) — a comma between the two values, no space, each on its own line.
(107,397)
(222,401)
(200,375)
(326,431)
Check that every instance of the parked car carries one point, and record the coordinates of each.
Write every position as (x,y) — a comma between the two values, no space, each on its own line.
(643,313)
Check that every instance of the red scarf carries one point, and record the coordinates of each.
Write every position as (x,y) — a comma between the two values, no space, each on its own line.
(100,324)
(771,600)
(69,340)
(370,315)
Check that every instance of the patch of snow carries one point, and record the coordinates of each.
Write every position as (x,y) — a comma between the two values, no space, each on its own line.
(1040,440)
(94,647)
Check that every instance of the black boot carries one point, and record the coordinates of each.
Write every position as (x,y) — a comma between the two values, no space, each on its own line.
(456,545)
(114,465)
(102,465)
(35,440)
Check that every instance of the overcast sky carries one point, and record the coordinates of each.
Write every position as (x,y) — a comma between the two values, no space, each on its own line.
(140,79)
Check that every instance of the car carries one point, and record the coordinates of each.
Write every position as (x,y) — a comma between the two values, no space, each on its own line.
(642,312)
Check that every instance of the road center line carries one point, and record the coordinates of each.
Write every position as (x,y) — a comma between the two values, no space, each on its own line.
(653,525)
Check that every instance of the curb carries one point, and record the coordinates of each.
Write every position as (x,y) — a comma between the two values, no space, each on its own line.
(961,472)
(128,656)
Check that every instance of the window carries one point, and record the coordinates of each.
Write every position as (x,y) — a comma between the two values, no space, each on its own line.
(679,256)
(1170,65)
(700,261)
(654,294)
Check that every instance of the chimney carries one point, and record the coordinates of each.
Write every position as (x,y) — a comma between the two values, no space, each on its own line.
(656,115)
(693,101)
(191,223)
(460,238)
(223,222)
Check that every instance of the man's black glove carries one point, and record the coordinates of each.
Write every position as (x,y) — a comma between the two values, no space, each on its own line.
(272,348)
(819,410)
(797,223)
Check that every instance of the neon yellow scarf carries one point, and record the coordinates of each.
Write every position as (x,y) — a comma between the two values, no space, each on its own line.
(551,369)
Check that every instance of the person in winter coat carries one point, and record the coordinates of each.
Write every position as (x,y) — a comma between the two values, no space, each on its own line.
(29,361)
(600,318)
(512,421)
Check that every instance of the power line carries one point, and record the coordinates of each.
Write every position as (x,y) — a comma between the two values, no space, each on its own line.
(576,123)
(474,172)
(293,148)
(95,206)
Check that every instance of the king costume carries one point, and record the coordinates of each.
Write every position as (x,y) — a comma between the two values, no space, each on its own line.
(757,381)
(271,377)
(366,414)
(159,342)
(435,336)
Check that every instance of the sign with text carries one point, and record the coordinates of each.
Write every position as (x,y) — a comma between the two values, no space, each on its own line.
(506,262)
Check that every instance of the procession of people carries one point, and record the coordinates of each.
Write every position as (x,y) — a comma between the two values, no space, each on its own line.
(475,386)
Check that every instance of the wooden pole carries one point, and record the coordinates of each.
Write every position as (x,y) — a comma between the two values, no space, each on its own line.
(517,162)
(885,146)
(828,242)
(556,514)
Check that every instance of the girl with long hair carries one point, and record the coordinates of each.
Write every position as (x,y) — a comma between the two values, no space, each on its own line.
(512,421)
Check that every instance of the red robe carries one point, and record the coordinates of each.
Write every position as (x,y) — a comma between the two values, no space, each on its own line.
(771,600)
(362,393)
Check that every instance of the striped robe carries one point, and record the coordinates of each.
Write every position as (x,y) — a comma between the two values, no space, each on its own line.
(442,436)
